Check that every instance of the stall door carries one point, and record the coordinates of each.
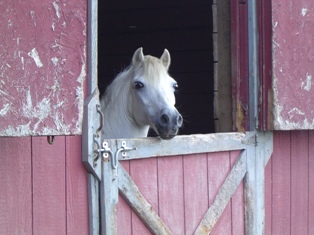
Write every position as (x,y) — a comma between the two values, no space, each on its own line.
(43,67)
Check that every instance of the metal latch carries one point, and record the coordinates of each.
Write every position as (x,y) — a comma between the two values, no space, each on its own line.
(108,154)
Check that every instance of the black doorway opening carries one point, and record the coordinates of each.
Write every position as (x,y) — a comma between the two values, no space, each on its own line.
(184,28)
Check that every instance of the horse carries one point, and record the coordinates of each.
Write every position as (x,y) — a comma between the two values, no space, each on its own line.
(141,97)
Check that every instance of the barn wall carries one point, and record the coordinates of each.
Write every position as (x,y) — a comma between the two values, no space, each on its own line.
(43,187)
(290,184)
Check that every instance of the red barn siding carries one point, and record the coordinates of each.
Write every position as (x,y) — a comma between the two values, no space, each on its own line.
(183,188)
(43,187)
(289,184)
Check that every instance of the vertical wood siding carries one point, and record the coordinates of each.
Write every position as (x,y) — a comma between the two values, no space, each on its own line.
(289,184)
(43,187)
(183,189)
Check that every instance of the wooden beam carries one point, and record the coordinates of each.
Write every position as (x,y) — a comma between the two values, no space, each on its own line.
(131,194)
(108,199)
(182,145)
(93,205)
(223,197)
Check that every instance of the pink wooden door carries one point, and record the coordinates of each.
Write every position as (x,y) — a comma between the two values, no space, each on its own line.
(43,66)
(186,184)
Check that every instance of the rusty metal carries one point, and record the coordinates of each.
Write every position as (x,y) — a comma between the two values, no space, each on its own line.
(50,139)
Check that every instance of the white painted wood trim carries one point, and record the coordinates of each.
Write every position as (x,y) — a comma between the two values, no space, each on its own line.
(183,145)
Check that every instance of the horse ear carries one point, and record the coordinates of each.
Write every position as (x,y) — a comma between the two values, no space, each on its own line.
(138,56)
(165,58)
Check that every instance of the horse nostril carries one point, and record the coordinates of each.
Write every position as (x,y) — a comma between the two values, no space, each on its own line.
(179,120)
(164,119)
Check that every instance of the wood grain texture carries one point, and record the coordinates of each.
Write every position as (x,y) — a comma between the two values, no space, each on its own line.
(195,190)
(76,188)
(218,169)
(299,182)
(49,186)
(144,174)
(237,202)
(281,184)
(15,186)
(171,198)
(136,200)
(124,212)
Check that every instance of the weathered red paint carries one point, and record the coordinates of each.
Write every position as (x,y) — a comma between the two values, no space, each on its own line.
(292,63)
(239,62)
(43,187)
(42,67)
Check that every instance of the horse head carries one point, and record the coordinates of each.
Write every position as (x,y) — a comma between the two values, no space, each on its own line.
(152,94)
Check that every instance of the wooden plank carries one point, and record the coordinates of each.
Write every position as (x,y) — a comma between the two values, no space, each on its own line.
(250,193)
(108,198)
(226,191)
(76,188)
(16,186)
(195,190)
(281,183)
(311,183)
(224,67)
(218,170)
(93,205)
(49,186)
(299,182)
(129,191)
(191,144)
(237,202)
(144,174)
(46,57)
(268,198)
(124,212)
(171,193)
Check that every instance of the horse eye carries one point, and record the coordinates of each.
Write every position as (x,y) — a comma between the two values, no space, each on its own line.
(138,85)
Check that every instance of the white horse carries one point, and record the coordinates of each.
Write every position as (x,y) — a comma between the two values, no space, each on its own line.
(141,97)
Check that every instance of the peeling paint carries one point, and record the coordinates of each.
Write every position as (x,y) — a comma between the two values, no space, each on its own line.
(295,111)
(41,78)
(307,85)
(5,110)
(55,61)
(34,54)
(57,9)
(304,11)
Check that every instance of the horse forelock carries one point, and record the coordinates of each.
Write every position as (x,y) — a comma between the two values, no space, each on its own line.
(153,69)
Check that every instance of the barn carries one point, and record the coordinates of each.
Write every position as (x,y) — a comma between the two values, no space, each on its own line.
(242,163)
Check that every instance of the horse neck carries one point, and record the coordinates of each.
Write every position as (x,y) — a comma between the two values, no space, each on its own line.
(118,121)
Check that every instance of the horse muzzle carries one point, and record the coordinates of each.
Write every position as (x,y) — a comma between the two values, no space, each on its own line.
(168,124)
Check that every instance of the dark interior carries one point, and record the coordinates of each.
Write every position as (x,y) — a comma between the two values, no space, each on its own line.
(184,28)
